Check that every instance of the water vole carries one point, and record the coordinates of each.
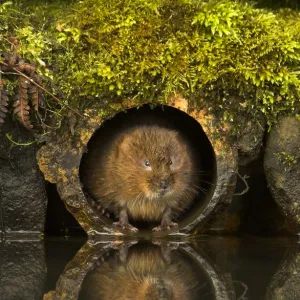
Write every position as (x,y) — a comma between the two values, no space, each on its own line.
(144,274)
(145,174)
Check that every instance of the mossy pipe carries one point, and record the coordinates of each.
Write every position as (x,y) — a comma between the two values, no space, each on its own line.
(60,160)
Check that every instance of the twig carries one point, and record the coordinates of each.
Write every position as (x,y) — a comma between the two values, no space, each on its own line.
(42,88)
(243,178)
(11,44)
(8,73)
(243,296)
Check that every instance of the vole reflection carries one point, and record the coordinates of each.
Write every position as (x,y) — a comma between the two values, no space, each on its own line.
(145,272)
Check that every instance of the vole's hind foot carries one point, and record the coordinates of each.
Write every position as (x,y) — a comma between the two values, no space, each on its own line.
(125,226)
(166,226)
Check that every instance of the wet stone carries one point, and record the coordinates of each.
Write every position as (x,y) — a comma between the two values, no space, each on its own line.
(23,197)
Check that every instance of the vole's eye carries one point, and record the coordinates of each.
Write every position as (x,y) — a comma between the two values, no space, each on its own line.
(170,162)
(147,163)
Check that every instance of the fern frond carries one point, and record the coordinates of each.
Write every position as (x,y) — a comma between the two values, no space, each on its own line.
(3,103)
(21,107)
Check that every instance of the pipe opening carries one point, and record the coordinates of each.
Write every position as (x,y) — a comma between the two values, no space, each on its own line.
(170,118)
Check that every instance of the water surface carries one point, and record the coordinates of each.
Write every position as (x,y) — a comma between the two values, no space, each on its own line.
(200,268)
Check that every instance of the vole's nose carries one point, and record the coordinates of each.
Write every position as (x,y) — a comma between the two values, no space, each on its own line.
(164,183)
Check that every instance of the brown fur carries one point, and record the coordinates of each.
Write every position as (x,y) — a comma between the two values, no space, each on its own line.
(119,179)
(144,276)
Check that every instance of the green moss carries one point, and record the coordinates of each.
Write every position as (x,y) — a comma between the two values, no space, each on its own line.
(227,55)
(287,159)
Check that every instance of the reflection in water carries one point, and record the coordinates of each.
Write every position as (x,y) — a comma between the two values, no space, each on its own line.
(131,270)
(206,268)
(22,269)
(146,272)
(285,282)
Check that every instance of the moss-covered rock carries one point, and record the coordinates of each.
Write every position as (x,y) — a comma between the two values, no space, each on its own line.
(23,197)
(250,138)
(282,168)
(226,57)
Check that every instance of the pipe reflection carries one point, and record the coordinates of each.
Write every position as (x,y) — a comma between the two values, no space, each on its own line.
(132,270)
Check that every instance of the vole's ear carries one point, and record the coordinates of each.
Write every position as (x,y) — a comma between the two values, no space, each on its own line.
(174,134)
(122,145)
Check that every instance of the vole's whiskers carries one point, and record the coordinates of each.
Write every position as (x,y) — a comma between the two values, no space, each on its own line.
(210,183)
(203,190)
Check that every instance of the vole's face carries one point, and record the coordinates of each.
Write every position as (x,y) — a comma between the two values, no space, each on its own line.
(158,174)
(160,162)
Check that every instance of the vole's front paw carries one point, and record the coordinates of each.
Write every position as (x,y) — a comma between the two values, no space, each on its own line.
(125,226)
(166,226)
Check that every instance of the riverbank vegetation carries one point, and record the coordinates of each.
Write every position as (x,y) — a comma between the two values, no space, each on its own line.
(228,56)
